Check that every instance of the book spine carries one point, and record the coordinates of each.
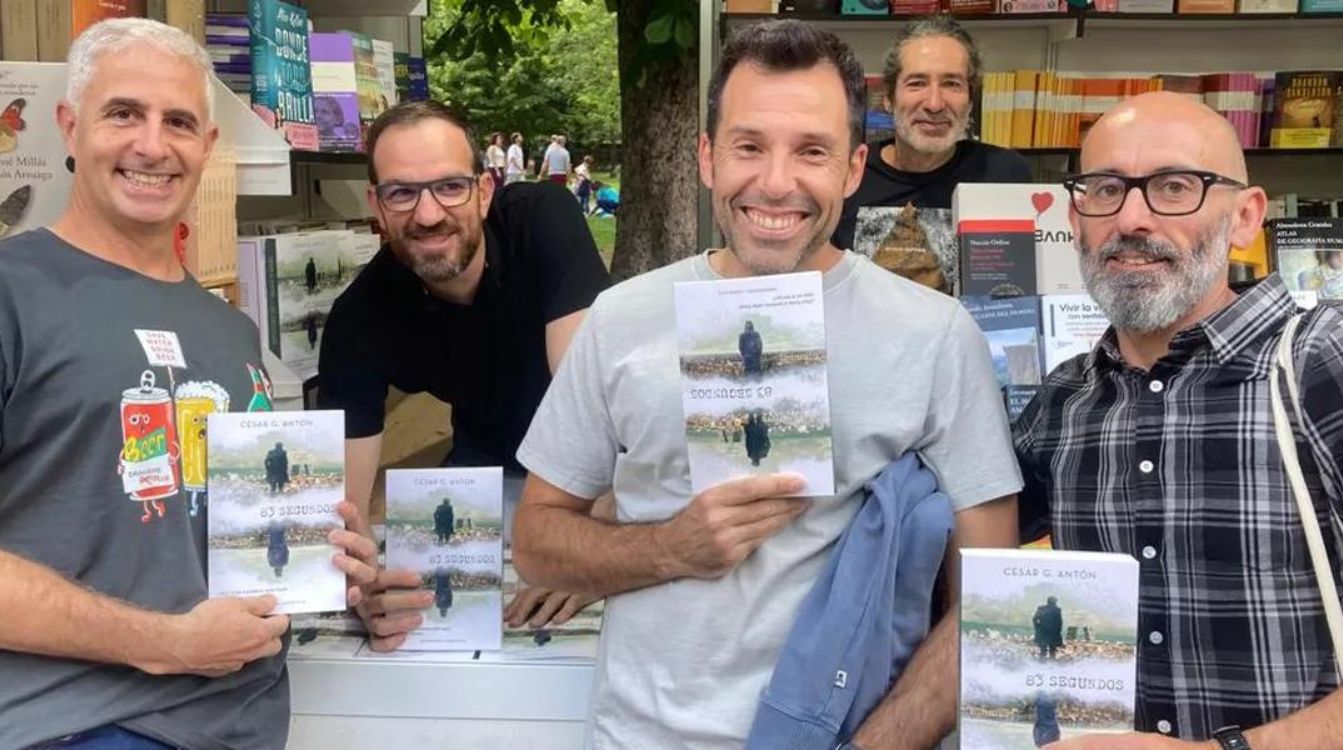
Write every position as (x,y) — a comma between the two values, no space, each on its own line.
(272,301)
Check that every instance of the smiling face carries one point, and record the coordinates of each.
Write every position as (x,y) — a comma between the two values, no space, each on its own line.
(780,164)
(931,99)
(434,242)
(140,136)
(1149,272)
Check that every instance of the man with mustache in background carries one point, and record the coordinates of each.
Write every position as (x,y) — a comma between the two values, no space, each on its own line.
(474,299)
(931,79)
(1160,443)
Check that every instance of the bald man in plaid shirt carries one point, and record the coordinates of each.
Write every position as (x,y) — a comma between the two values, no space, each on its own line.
(1160,442)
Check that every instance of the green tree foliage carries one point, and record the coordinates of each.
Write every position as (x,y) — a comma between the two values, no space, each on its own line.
(537,67)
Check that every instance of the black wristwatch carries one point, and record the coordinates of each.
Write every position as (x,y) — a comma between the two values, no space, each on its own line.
(1231,738)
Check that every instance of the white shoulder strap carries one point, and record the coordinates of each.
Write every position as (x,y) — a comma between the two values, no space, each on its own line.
(1333,611)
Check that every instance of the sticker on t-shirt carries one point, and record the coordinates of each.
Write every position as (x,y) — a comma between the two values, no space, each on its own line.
(195,401)
(149,450)
(162,348)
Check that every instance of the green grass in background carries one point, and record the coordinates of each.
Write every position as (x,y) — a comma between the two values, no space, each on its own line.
(604,229)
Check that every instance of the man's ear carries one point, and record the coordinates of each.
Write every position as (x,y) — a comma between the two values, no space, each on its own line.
(706,160)
(487,187)
(65,122)
(1247,217)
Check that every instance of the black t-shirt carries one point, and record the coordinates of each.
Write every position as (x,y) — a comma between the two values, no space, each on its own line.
(487,359)
(884,185)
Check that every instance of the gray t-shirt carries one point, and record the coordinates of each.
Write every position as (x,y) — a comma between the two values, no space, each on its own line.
(682,664)
(557,160)
(101,451)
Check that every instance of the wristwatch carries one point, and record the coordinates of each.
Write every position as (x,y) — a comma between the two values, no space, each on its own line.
(1231,738)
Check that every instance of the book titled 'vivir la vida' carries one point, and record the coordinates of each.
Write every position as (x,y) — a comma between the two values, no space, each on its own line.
(753,379)
(447,525)
(274,481)
(1049,644)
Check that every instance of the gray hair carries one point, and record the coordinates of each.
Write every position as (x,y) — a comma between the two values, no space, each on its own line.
(117,34)
(924,28)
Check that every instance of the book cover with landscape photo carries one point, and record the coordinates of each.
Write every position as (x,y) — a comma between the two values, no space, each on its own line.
(275,479)
(1048,646)
(448,525)
(753,375)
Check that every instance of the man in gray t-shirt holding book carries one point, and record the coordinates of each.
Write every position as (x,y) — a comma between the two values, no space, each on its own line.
(703,588)
(111,359)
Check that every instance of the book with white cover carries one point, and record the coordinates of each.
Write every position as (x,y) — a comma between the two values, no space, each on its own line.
(1048,648)
(275,479)
(1056,263)
(1072,325)
(753,374)
(448,526)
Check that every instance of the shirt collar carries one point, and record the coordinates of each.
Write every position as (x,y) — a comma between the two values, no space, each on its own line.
(1258,311)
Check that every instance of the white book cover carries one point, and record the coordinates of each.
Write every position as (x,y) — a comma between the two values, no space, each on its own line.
(1057,270)
(275,479)
(1048,649)
(448,526)
(1072,324)
(34,179)
(753,374)
(383,59)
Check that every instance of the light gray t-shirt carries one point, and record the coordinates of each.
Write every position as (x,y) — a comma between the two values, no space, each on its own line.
(682,665)
(85,409)
(557,160)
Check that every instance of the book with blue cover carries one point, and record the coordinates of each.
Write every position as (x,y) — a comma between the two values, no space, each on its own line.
(1012,327)
(281,77)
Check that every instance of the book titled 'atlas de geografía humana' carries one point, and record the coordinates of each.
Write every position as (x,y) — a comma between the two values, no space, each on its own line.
(448,526)
(1048,646)
(275,479)
(753,375)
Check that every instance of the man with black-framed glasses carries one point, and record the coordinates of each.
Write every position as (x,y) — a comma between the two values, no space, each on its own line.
(473,299)
(1160,442)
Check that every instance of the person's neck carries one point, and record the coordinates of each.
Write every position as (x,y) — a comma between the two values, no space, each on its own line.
(906,158)
(461,289)
(725,263)
(147,251)
(1143,350)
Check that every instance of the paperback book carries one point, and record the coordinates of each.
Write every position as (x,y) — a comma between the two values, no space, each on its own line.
(448,526)
(1309,256)
(1048,648)
(1012,327)
(997,257)
(280,68)
(753,374)
(275,479)
(35,176)
(916,243)
(1072,324)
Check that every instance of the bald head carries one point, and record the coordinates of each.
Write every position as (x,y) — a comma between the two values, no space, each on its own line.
(1159,127)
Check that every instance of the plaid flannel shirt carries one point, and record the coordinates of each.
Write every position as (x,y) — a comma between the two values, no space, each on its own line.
(1179,467)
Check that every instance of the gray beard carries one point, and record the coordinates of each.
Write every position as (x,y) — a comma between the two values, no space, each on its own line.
(1143,302)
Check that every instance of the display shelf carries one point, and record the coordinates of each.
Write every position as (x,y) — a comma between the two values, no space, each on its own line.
(261,152)
(329,157)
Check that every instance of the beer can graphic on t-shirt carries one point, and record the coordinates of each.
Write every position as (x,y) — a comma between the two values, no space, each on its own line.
(148,440)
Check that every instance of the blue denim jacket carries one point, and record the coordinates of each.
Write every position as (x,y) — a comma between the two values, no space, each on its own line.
(862,620)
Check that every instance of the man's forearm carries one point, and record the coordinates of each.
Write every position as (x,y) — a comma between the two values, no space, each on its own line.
(566,550)
(1316,727)
(921,709)
(50,615)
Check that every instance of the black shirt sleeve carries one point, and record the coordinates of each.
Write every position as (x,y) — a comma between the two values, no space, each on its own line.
(345,378)
(848,224)
(1033,501)
(570,271)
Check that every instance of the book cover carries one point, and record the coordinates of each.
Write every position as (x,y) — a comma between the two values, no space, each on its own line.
(335,94)
(281,78)
(1072,324)
(1034,6)
(1322,6)
(753,379)
(448,526)
(1017,398)
(573,641)
(35,180)
(275,479)
(18,30)
(1205,6)
(384,59)
(1057,270)
(1266,6)
(419,79)
(366,82)
(1048,646)
(916,243)
(1012,327)
(997,257)
(1305,109)
(297,279)
(1309,257)
(59,22)
(401,73)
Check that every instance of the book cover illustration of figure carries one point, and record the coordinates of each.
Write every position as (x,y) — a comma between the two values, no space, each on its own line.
(753,373)
(274,481)
(916,243)
(1048,646)
(310,272)
(448,525)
